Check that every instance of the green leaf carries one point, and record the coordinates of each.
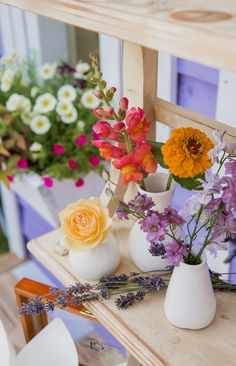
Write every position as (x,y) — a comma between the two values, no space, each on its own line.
(189,183)
(156,150)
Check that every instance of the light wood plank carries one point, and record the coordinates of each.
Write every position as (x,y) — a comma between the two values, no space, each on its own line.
(198,33)
(9,312)
(143,329)
(8,261)
(176,116)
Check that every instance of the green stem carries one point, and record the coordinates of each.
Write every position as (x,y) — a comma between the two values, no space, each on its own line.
(208,235)
(194,231)
(142,185)
(222,160)
(169,181)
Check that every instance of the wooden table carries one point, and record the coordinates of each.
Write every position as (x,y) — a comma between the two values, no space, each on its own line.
(143,329)
(200,30)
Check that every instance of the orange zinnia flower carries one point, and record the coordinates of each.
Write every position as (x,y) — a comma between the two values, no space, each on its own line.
(185,152)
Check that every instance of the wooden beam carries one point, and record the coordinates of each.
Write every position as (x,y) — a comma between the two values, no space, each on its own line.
(140,87)
(191,29)
(176,116)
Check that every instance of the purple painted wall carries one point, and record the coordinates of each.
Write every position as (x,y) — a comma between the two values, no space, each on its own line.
(197,87)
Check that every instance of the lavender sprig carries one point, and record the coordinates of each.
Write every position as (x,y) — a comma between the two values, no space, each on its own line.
(132,288)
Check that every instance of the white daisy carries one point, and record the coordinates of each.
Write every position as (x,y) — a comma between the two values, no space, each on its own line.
(67,92)
(64,107)
(35,147)
(40,125)
(89,100)
(45,103)
(70,117)
(7,80)
(81,70)
(14,102)
(81,125)
(47,71)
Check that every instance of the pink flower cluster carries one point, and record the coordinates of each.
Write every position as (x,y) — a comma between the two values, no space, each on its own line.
(132,154)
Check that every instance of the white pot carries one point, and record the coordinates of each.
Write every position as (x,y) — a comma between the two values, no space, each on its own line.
(97,262)
(142,258)
(138,244)
(155,185)
(190,301)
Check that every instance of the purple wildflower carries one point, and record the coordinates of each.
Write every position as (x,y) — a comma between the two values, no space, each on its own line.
(141,203)
(172,217)
(229,195)
(230,226)
(175,252)
(155,226)
(230,168)
(122,211)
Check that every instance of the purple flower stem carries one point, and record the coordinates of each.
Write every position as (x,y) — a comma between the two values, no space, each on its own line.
(209,233)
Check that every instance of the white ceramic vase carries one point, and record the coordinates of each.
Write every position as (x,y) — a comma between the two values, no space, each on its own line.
(97,262)
(156,189)
(138,244)
(190,301)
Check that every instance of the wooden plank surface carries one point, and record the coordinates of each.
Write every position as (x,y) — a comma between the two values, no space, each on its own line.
(199,30)
(143,329)
(175,116)
(9,312)
(8,261)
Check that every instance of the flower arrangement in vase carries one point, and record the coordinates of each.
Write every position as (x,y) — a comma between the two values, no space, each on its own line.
(93,251)
(46,120)
(204,223)
(126,142)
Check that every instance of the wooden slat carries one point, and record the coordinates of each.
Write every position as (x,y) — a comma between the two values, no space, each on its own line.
(143,329)
(205,32)
(176,116)
(140,87)
(8,261)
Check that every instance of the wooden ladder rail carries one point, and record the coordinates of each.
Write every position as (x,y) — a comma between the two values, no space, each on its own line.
(139,66)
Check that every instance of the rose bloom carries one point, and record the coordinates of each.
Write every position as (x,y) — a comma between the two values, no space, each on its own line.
(186,152)
(85,224)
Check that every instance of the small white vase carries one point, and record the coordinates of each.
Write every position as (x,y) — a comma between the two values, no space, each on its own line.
(190,301)
(138,244)
(139,251)
(155,188)
(97,262)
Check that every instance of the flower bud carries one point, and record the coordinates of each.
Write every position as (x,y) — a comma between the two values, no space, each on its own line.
(102,84)
(124,104)
(98,94)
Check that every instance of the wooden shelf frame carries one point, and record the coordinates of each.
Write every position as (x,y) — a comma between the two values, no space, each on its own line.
(207,37)
(147,26)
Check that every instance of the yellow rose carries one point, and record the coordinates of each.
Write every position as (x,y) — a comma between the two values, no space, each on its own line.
(85,224)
